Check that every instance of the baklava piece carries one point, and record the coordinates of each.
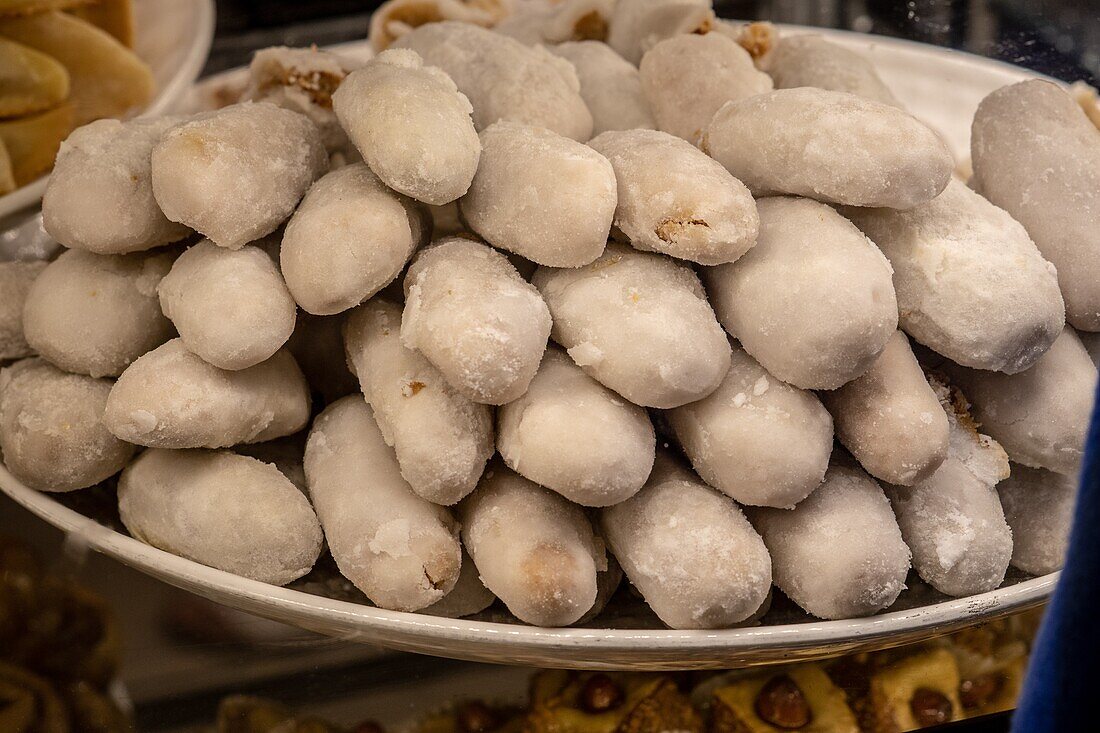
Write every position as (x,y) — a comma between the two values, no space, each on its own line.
(800,697)
(915,692)
(597,702)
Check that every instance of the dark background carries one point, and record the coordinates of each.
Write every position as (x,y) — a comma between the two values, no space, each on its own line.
(1057,37)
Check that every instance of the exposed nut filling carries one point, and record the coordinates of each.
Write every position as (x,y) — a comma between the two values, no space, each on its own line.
(476,717)
(705,27)
(976,692)
(600,694)
(590,27)
(781,703)
(930,707)
(672,230)
(319,85)
(758,39)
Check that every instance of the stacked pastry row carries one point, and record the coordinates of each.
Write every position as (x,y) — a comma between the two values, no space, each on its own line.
(754,269)
(64,63)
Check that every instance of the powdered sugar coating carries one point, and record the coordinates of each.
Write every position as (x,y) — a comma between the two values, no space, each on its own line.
(441,439)
(231,307)
(15,282)
(610,86)
(475,319)
(170,398)
(812,301)
(812,61)
(1038,505)
(970,283)
(831,146)
(756,438)
(1037,156)
(504,79)
(100,194)
(571,434)
(674,199)
(230,512)
(350,237)
(688,77)
(839,553)
(952,520)
(637,25)
(890,419)
(51,428)
(411,125)
(534,550)
(543,196)
(639,324)
(94,314)
(237,173)
(399,549)
(689,550)
(1040,416)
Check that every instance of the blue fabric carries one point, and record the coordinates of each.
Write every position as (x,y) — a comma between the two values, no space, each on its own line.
(1062,685)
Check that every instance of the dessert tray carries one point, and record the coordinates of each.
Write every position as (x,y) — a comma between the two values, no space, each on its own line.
(940,87)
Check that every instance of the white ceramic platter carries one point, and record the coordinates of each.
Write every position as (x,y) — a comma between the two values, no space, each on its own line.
(941,87)
(173,37)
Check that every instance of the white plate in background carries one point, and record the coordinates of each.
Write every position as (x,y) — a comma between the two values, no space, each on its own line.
(173,37)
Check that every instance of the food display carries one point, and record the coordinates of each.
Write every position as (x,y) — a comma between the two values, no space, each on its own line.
(970,674)
(725,337)
(59,651)
(63,64)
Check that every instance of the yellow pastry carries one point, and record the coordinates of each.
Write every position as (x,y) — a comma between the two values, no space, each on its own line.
(915,692)
(108,80)
(114,16)
(991,665)
(30,81)
(30,7)
(800,697)
(32,142)
(7,176)
(595,702)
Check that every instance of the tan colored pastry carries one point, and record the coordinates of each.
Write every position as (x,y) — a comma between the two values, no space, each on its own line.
(114,16)
(992,662)
(587,702)
(32,142)
(30,81)
(800,698)
(30,7)
(913,693)
(108,79)
(7,176)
